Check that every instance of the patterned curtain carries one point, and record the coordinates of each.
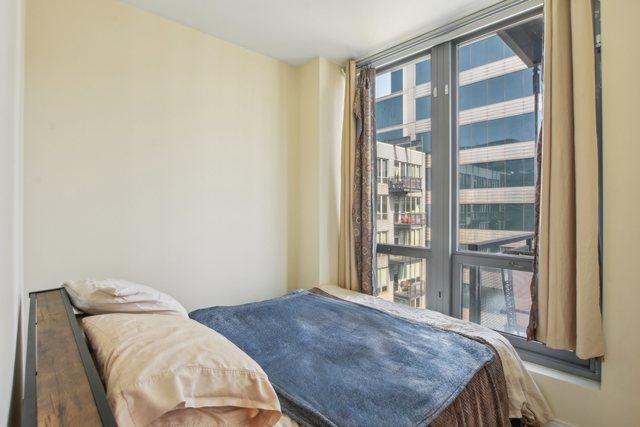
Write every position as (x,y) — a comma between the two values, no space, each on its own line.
(362,215)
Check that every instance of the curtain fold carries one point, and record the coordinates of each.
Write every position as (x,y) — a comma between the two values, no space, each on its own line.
(356,252)
(347,271)
(565,312)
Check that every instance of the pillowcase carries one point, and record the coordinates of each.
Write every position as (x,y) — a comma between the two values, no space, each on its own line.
(120,296)
(171,370)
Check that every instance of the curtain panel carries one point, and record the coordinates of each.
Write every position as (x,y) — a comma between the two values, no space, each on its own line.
(347,271)
(356,268)
(566,302)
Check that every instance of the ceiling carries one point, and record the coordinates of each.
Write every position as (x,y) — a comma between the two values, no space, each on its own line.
(297,30)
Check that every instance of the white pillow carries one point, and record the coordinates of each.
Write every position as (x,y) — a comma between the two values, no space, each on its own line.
(169,370)
(120,296)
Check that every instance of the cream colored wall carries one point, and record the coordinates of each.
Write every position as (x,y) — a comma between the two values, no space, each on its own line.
(315,183)
(332,81)
(156,153)
(617,401)
(11,38)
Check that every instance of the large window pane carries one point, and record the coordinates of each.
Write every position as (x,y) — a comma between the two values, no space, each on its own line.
(403,112)
(402,279)
(496,123)
(496,298)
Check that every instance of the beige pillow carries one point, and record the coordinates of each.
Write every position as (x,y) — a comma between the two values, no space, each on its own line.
(158,368)
(120,296)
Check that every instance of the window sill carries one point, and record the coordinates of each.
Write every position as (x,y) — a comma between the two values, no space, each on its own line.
(555,374)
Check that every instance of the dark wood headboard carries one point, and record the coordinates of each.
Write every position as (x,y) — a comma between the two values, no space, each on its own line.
(62,384)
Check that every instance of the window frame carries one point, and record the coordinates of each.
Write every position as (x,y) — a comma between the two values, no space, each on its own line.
(444,259)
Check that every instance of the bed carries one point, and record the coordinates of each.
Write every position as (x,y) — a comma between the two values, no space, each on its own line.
(63,384)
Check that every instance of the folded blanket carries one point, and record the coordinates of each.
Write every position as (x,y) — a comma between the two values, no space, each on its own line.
(335,362)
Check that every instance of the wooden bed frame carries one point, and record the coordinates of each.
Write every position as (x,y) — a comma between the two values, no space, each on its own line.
(62,384)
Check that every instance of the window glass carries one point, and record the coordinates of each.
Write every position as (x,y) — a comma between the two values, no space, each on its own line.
(383,207)
(388,83)
(496,126)
(423,72)
(496,298)
(423,107)
(402,279)
(396,81)
(503,88)
(403,149)
(482,52)
(389,112)
(389,135)
(406,144)
(497,174)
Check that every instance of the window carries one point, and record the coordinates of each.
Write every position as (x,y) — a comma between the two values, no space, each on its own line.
(389,112)
(404,154)
(423,108)
(383,279)
(389,83)
(382,170)
(382,237)
(383,207)
(461,169)
(423,72)
(389,135)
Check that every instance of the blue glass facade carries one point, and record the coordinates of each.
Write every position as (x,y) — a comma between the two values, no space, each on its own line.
(423,72)
(497,216)
(505,130)
(501,173)
(497,89)
(389,135)
(482,52)
(389,112)
(425,138)
(396,81)
(423,107)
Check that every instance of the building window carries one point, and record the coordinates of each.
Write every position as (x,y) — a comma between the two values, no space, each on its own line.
(499,131)
(423,72)
(382,237)
(382,170)
(389,112)
(389,135)
(423,108)
(383,279)
(388,83)
(383,207)
(497,174)
(512,86)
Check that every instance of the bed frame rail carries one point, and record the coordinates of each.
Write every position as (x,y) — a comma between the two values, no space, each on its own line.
(62,384)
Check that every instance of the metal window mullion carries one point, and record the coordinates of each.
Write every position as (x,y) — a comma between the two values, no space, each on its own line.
(438,292)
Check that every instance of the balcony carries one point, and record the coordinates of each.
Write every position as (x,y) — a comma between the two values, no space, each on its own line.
(404,184)
(410,219)
(407,291)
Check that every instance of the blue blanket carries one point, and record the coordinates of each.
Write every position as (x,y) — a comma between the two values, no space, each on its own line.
(333,362)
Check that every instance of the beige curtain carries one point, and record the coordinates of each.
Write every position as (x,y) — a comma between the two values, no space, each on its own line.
(347,271)
(568,292)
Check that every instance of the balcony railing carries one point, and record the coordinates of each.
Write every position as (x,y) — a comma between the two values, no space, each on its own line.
(497,244)
(404,184)
(409,219)
(406,291)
